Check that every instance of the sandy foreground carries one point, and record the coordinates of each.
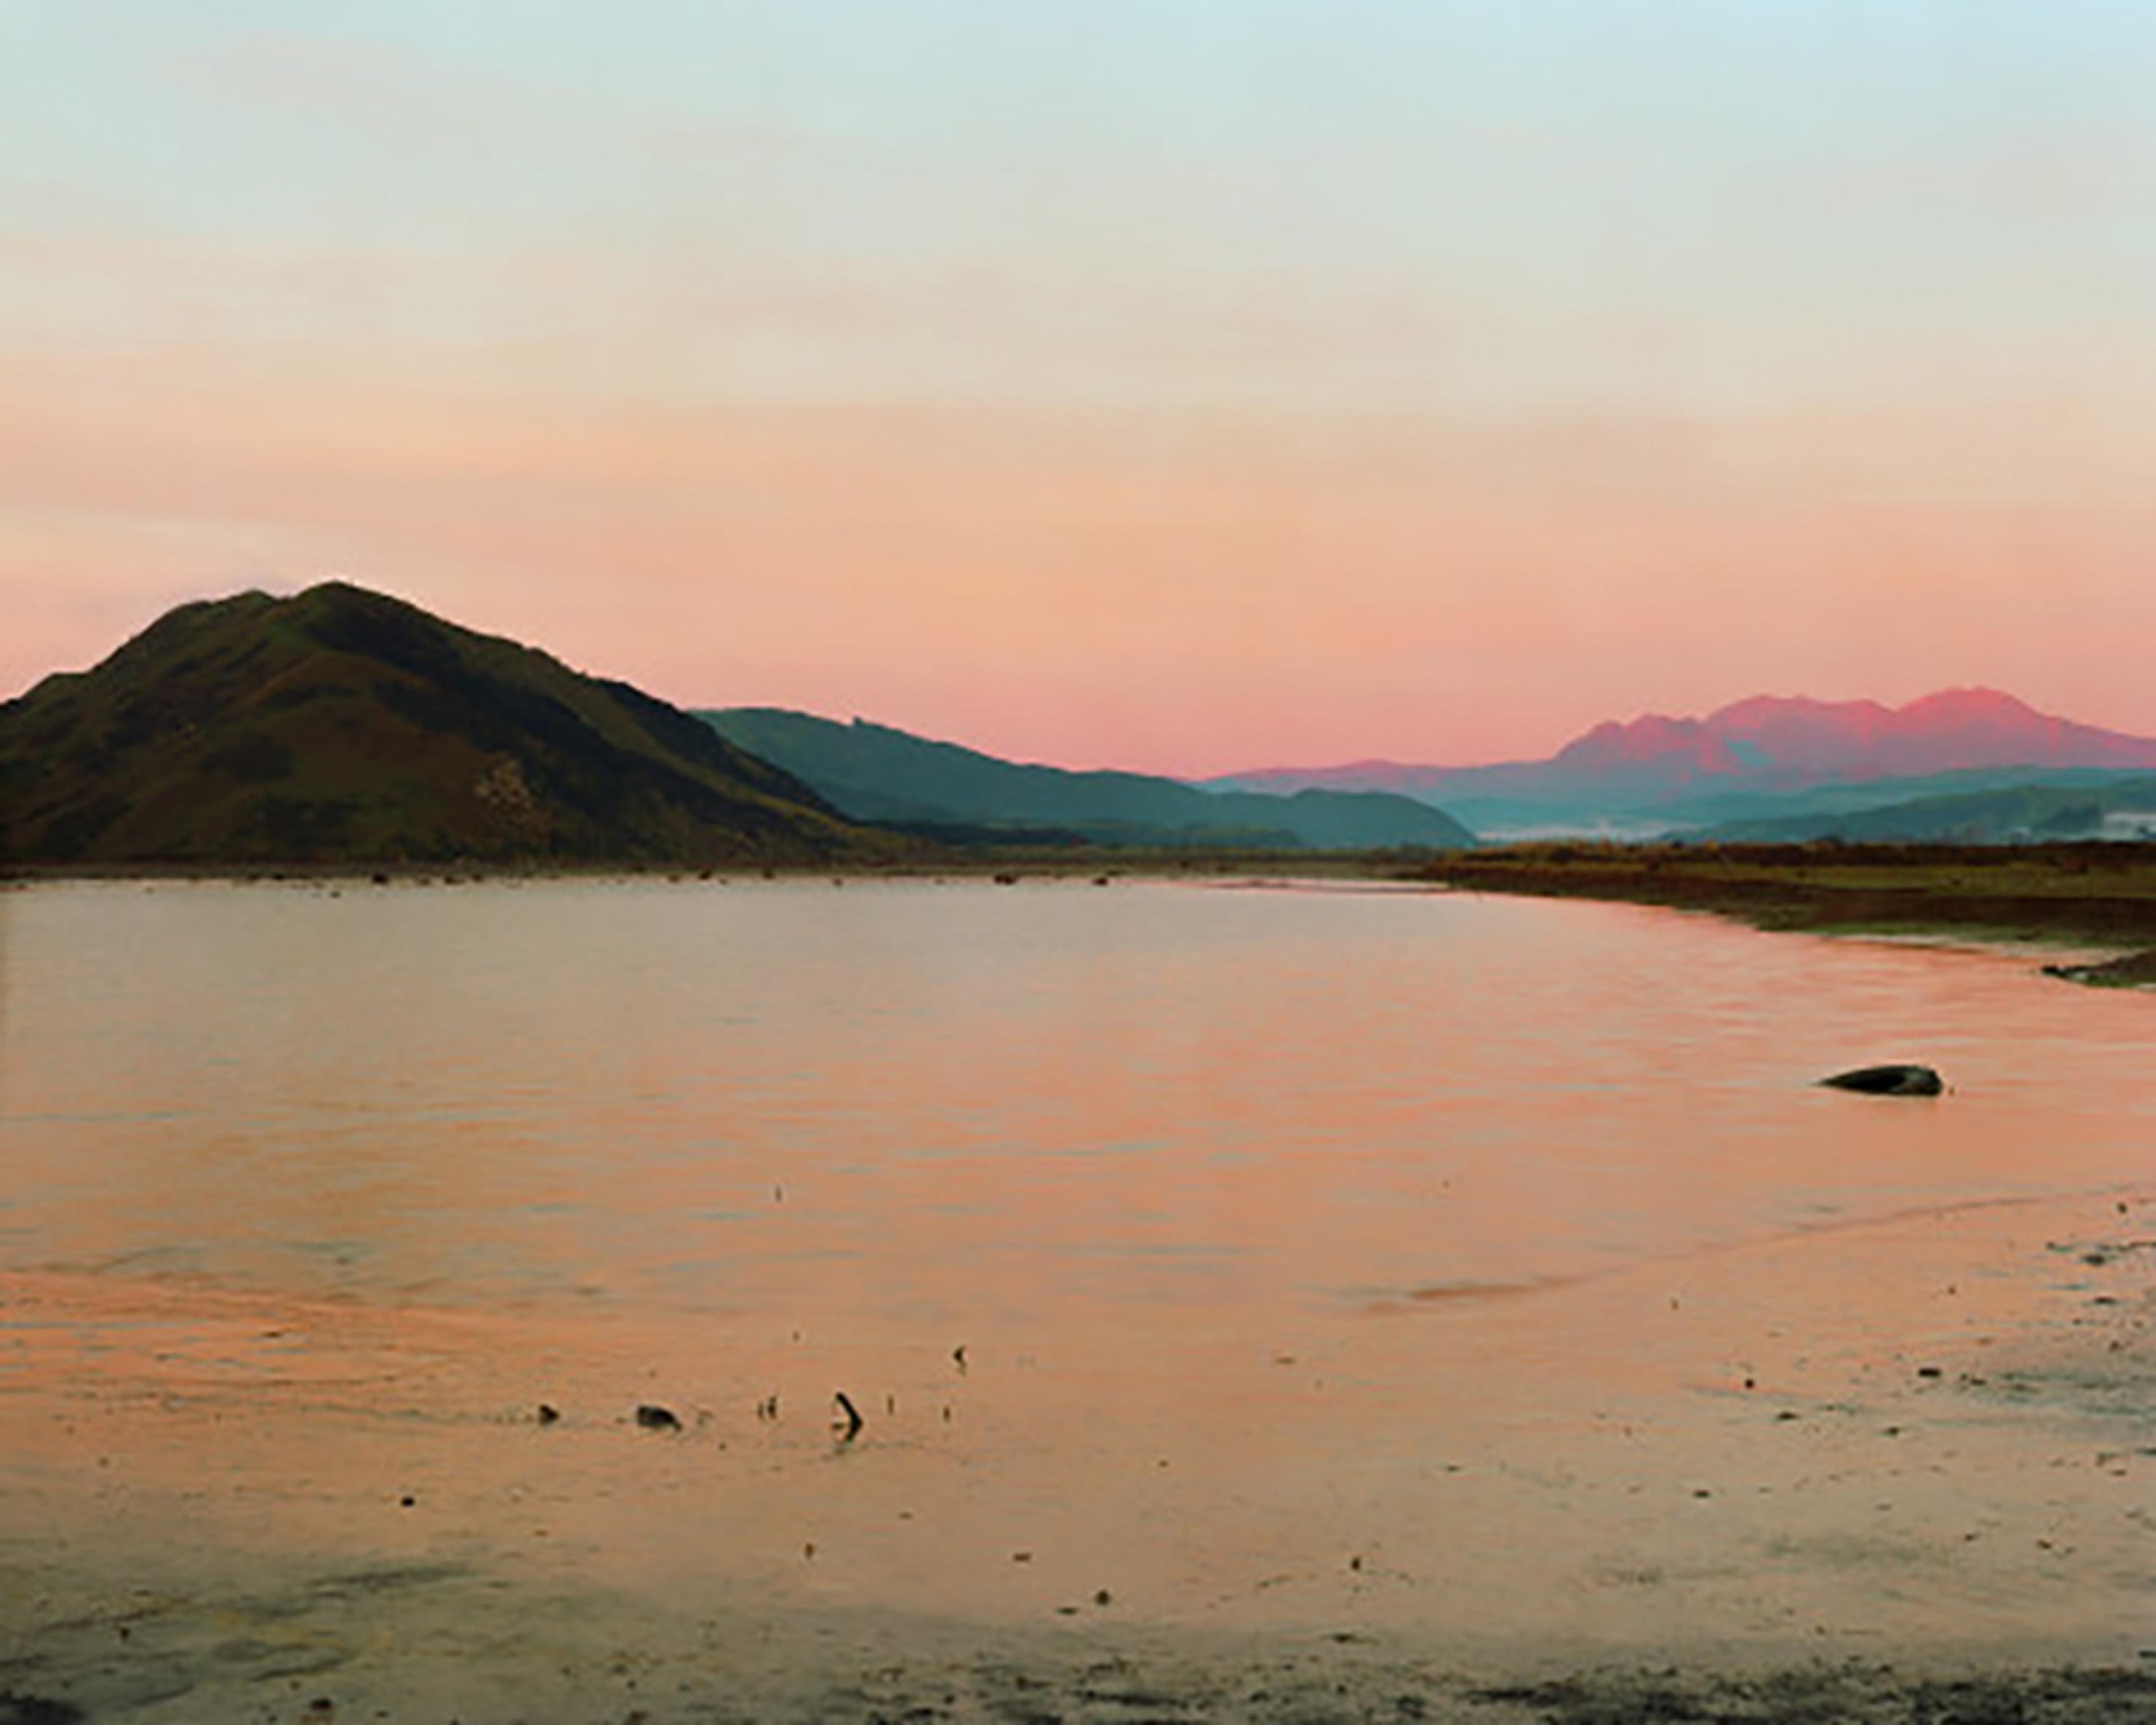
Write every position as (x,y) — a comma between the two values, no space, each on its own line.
(1897,1470)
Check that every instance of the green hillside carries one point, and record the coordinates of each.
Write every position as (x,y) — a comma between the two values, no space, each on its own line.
(341,725)
(874,772)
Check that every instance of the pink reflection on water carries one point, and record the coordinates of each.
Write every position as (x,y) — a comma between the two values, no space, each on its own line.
(1407,1257)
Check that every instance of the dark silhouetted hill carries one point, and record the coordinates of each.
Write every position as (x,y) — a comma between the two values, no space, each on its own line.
(873,772)
(342,726)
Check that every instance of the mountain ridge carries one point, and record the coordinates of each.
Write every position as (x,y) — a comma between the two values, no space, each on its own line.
(878,772)
(1762,743)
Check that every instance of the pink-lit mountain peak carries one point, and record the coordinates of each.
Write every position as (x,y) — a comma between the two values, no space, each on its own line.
(1653,738)
(1770,742)
(1945,731)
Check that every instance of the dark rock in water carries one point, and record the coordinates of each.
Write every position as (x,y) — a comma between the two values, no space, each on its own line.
(1895,1080)
(654,1418)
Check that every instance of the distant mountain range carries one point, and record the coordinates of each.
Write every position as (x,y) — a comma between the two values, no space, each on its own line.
(341,725)
(1766,758)
(940,790)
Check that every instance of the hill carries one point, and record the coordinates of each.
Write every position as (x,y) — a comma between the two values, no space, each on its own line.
(1668,774)
(875,773)
(342,726)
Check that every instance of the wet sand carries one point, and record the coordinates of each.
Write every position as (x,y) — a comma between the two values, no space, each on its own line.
(1722,1488)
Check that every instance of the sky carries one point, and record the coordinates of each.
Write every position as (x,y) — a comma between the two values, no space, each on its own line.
(1181,385)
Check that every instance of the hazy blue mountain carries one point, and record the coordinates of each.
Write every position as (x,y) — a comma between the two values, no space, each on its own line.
(1767,757)
(873,772)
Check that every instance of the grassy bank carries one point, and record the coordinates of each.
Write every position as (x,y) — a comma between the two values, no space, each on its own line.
(2102,894)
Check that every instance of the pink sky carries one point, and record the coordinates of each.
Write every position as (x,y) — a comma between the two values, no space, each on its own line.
(1107,411)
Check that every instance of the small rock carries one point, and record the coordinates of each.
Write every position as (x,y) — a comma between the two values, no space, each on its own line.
(1888,1081)
(654,1418)
(548,1413)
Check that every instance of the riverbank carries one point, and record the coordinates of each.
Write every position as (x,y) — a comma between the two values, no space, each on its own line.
(2101,895)
(1045,863)
(2085,894)
(444,1644)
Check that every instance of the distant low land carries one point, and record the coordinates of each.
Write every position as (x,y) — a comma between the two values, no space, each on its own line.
(2100,895)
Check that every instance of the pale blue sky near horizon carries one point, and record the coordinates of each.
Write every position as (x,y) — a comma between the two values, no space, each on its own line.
(1608,252)
(1711,165)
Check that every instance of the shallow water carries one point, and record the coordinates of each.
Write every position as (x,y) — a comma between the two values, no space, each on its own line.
(1314,1253)
(898,1107)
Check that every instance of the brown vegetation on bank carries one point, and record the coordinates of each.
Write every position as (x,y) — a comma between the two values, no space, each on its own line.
(2101,893)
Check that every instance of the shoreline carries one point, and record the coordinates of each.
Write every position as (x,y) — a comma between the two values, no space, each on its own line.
(2097,899)
(360,1640)
(165,1618)
(1020,865)
(2100,897)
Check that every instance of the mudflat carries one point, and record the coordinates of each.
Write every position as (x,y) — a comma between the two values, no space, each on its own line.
(1747,1502)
